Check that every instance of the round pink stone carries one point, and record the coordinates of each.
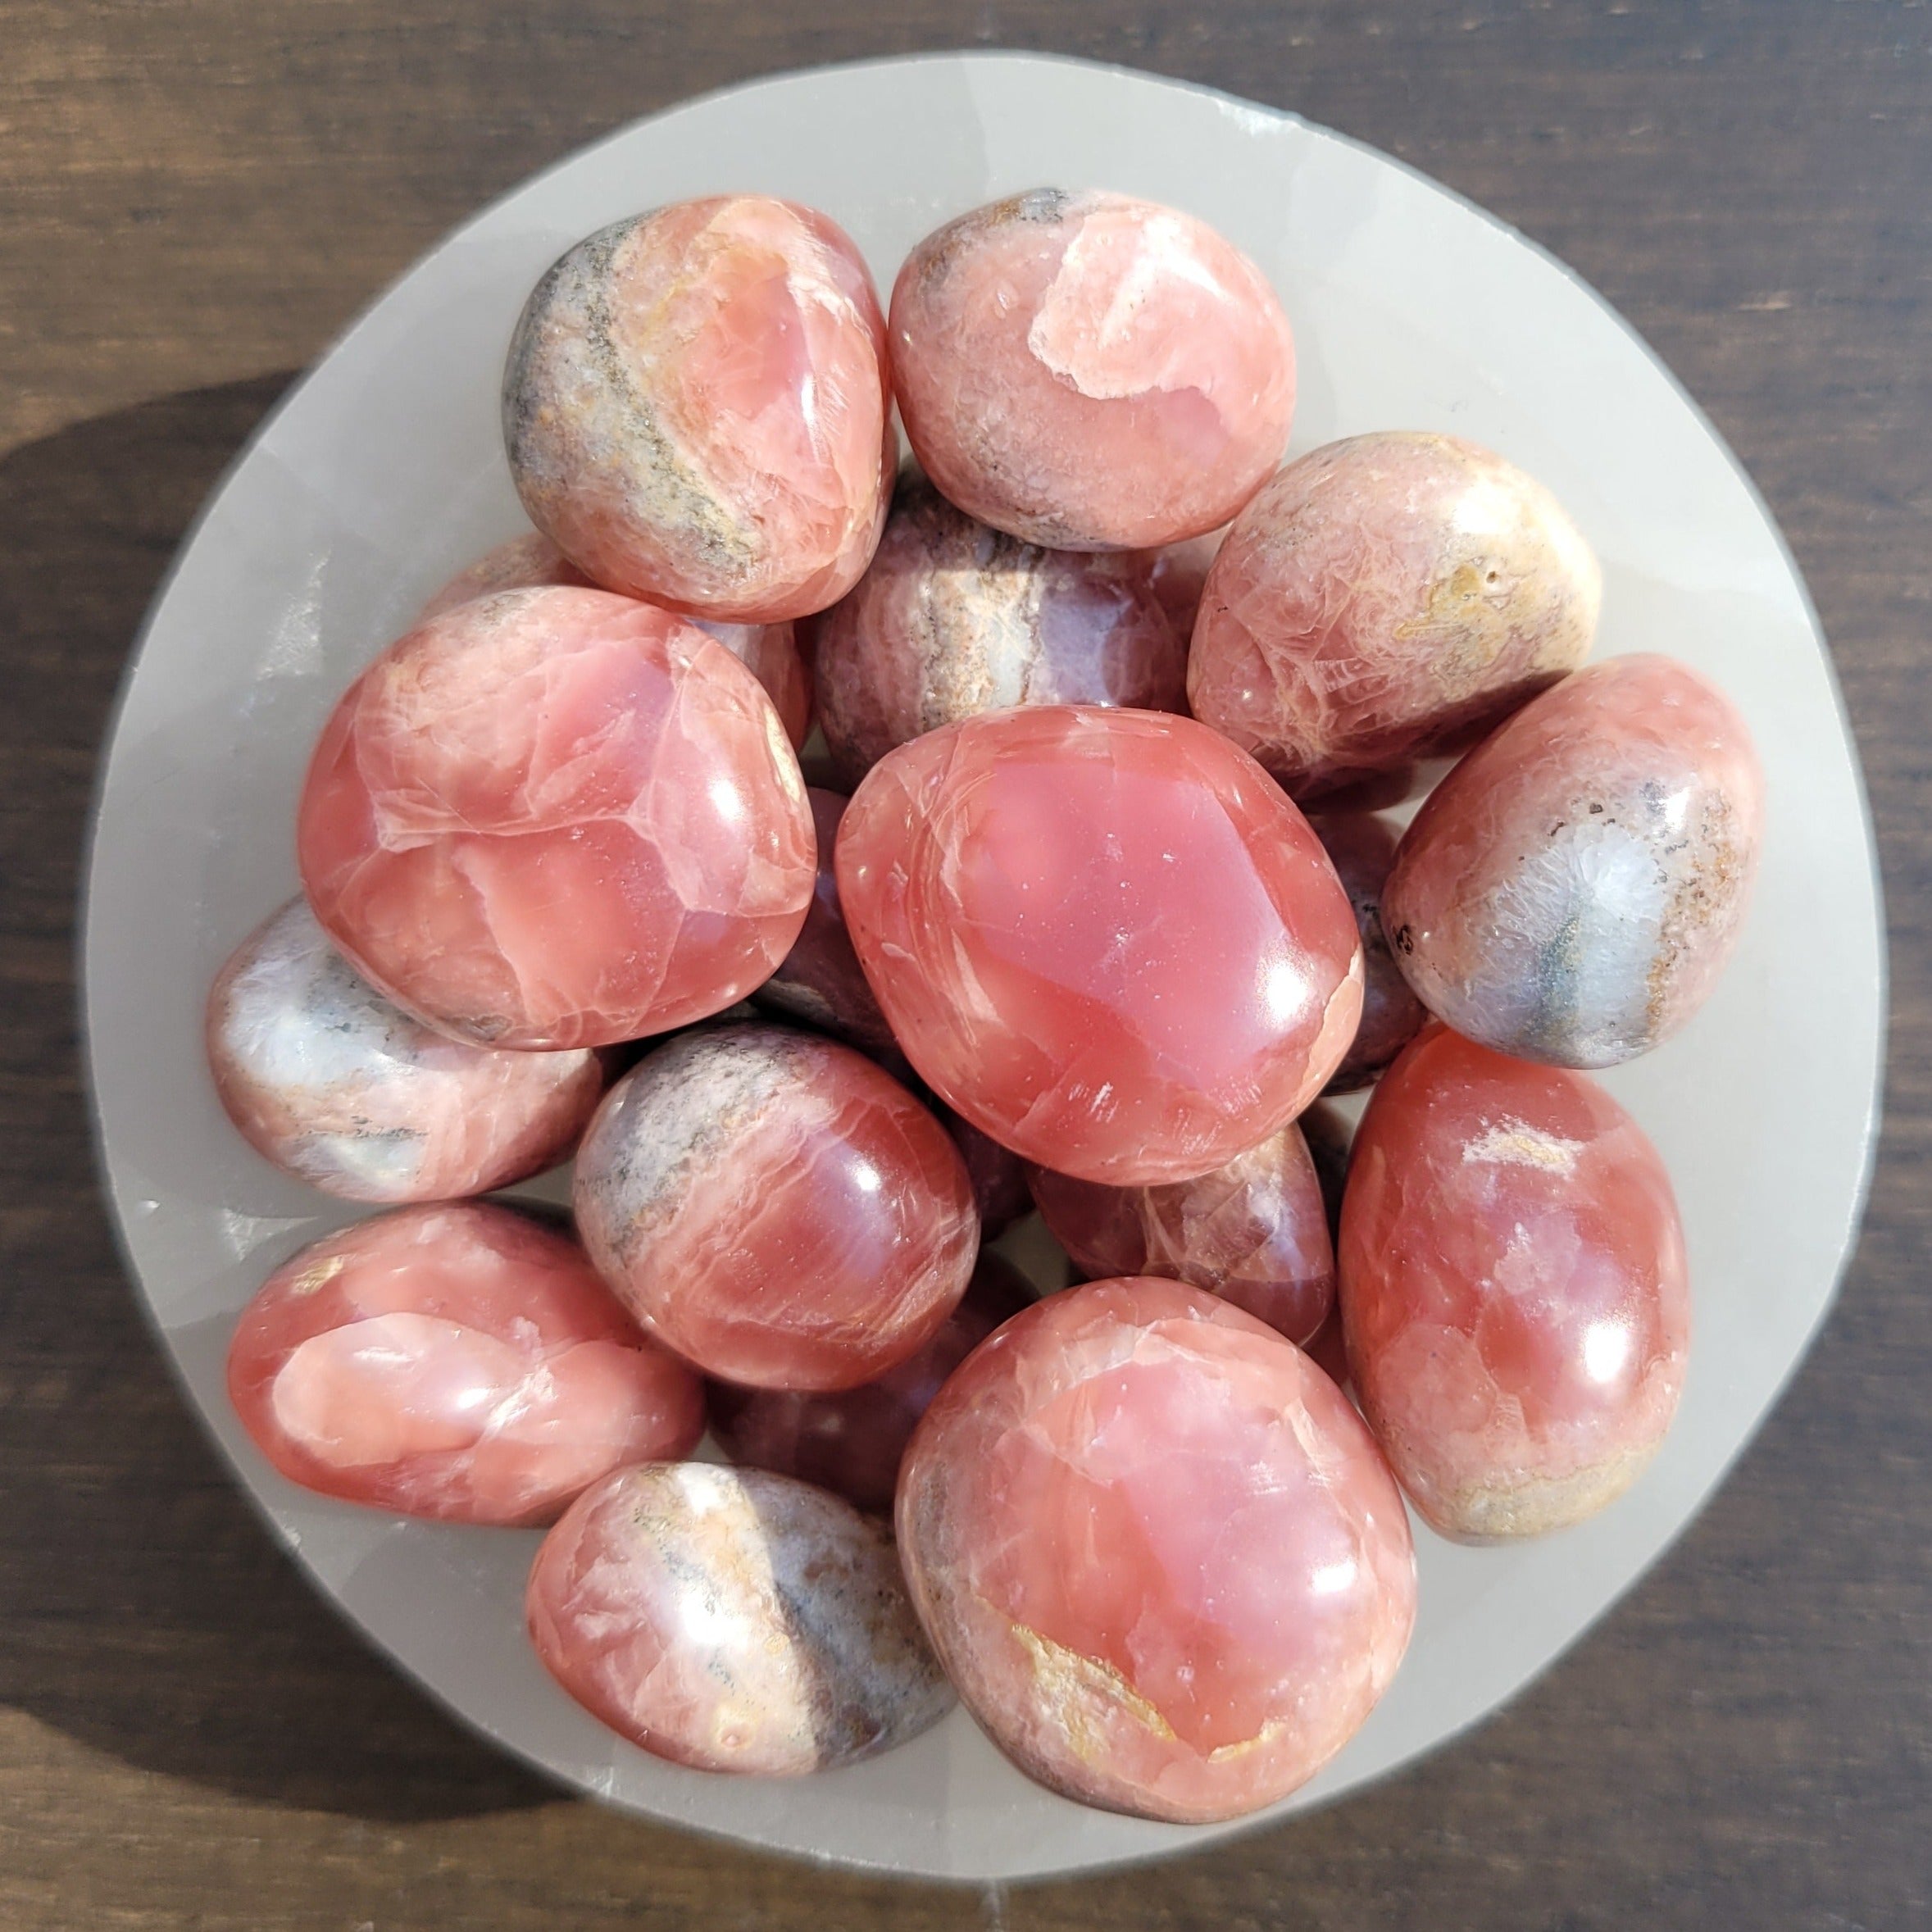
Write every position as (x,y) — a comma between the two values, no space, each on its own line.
(775,1208)
(1572,890)
(557,818)
(1157,1552)
(326,1079)
(1362,849)
(852,1442)
(1252,1232)
(460,1362)
(733,1620)
(1091,372)
(1387,598)
(1513,1289)
(769,651)
(954,618)
(697,408)
(1105,937)
(820,980)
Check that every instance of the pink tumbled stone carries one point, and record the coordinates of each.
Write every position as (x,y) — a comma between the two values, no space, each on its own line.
(1513,1289)
(954,618)
(461,1362)
(1572,890)
(733,1620)
(1091,372)
(775,1208)
(820,980)
(1157,1552)
(557,818)
(323,1076)
(1105,937)
(1386,599)
(1362,848)
(697,408)
(769,651)
(1253,1232)
(852,1442)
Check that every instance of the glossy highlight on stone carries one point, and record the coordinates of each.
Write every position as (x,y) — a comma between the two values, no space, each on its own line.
(1386,599)
(557,818)
(954,618)
(851,1443)
(1362,848)
(1253,1232)
(1514,1294)
(775,1208)
(461,1362)
(733,1620)
(1156,1551)
(1104,937)
(697,408)
(820,980)
(1091,372)
(1572,890)
(323,1077)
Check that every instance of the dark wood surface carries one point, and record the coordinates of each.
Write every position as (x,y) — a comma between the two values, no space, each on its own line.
(195,195)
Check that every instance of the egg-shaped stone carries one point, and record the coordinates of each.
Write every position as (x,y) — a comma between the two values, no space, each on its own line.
(1387,598)
(1157,1552)
(1104,937)
(556,818)
(697,408)
(1514,1295)
(1091,372)
(1572,890)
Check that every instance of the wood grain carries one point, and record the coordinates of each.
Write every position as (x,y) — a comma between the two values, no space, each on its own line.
(194,196)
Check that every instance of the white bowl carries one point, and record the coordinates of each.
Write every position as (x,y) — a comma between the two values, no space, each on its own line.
(383,472)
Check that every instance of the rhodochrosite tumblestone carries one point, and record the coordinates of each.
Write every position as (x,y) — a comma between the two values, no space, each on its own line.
(852,1442)
(461,1362)
(1091,372)
(1387,598)
(327,1079)
(1105,937)
(557,818)
(1513,1289)
(1254,1232)
(1157,1552)
(1362,848)
(697,409)
(954,618)
(776,1208)
(733,1620)
(1572,891)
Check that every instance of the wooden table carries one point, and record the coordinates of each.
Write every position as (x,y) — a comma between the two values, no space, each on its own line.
(195,195)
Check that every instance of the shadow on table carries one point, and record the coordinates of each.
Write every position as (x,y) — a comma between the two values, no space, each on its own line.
(144,1611)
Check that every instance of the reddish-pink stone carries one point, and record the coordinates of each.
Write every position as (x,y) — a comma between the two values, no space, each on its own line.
(1386,599)
(1572,891)
(733,1620)
(1105,937)
(852,1442)
(769,651)
(1362,848)
(1156,1551)
(697,409)
(1513,1289)
(820,980)
(557,818)
(1091,372)
(460,1362)
(997,1174)
(775,1208)
(1252,1232)
(326,1079)
(953,618)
